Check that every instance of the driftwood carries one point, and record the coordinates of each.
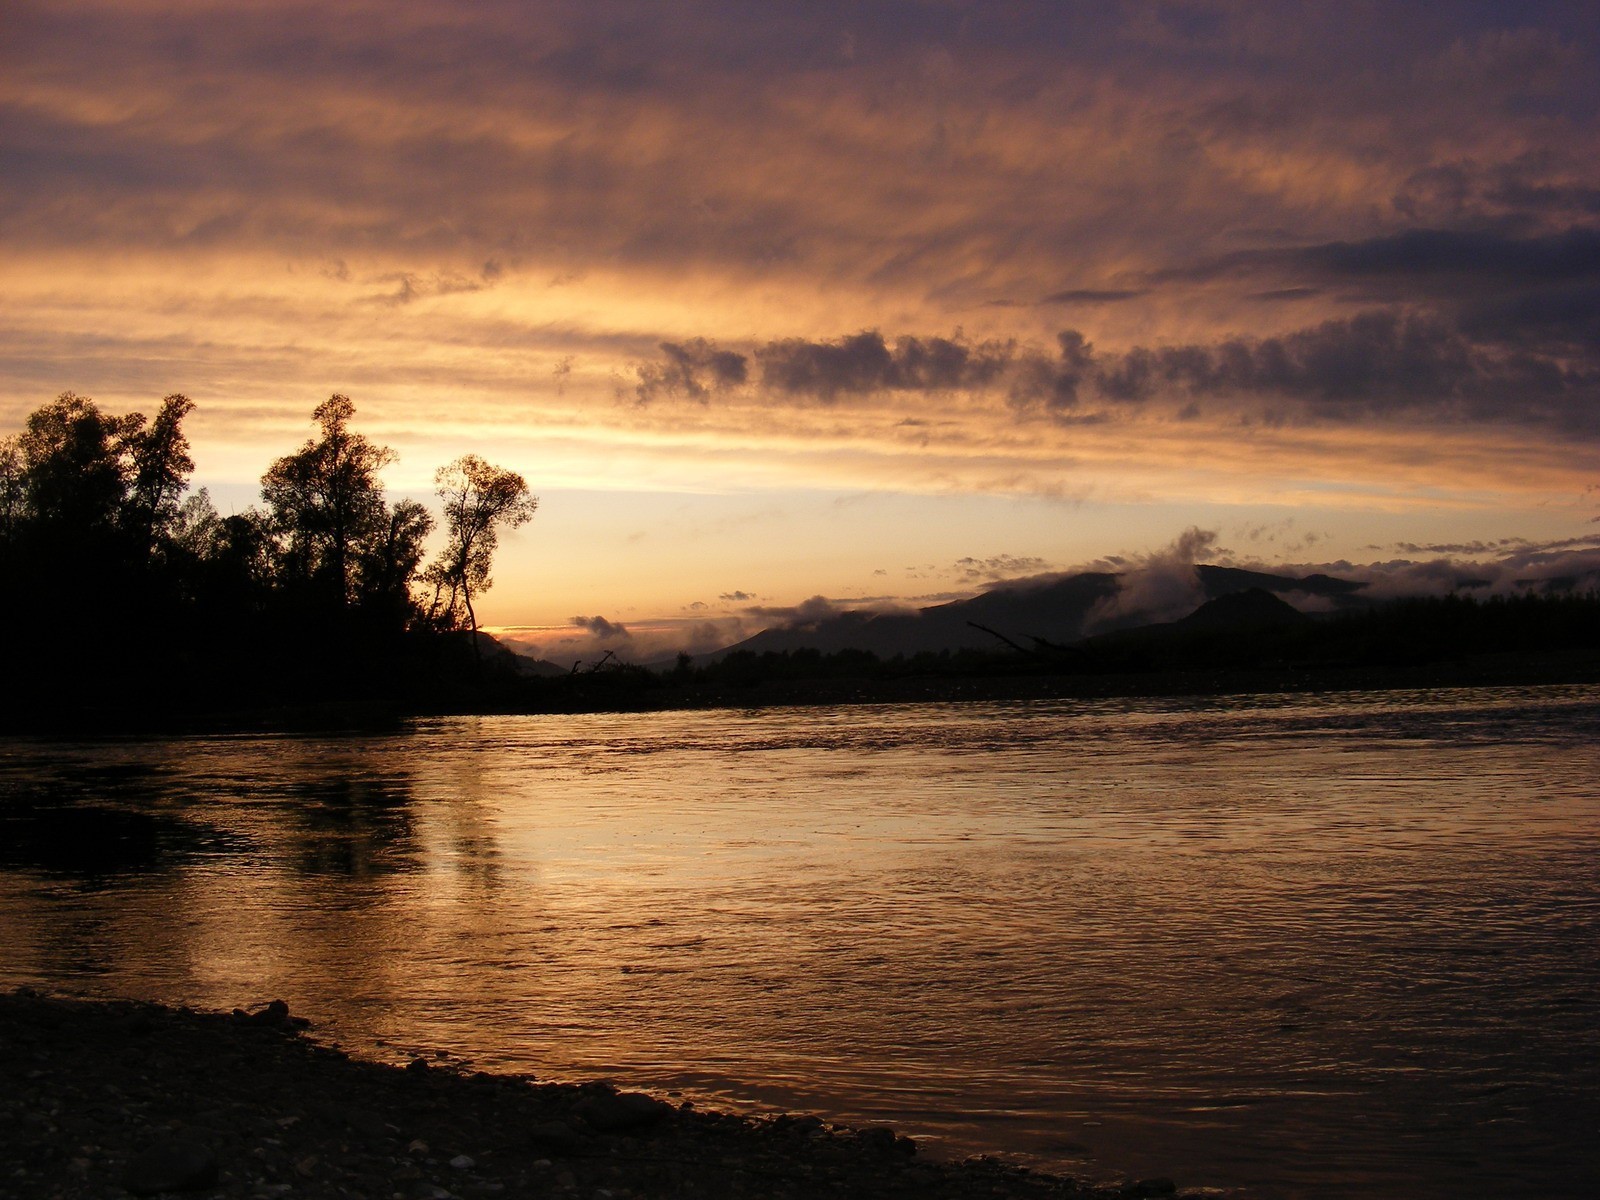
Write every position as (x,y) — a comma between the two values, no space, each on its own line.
(1042,648)
(597,664)
(995,633)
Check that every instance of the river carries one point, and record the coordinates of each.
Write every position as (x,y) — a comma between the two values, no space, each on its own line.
(1291,946)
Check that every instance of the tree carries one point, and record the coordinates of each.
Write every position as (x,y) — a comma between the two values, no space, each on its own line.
(72,469)
(158,466)
(390,563)
(89,505)
(13,516)
(478,498)
(326,503)
(13,491)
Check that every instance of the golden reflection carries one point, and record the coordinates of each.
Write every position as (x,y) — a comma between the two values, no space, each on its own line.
(989,922)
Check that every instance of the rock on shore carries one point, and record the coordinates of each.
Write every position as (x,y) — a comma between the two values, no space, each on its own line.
(104,1099)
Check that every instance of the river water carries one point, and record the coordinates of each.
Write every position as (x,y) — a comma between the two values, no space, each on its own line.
(1285,946)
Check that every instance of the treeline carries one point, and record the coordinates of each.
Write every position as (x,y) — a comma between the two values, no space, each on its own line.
(1394,634)
(126,593)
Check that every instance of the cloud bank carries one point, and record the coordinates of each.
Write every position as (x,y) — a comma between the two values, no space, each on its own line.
(1493,330)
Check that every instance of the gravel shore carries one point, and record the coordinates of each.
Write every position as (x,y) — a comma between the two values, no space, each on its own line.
(103,1099)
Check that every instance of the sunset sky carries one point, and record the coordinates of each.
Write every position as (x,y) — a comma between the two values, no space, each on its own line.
(867,301)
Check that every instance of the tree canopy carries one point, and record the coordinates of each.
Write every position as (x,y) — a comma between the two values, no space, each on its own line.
(146,586)
(326,504)
(479,499)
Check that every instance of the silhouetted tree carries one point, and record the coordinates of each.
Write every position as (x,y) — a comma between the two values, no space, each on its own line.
(477,498)
(158,467)
(13,515)
(73,476)
(326,504)
(70,551)
(13,492)
(390,561)
(88,504)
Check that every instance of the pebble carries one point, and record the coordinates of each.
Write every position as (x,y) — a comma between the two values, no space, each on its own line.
(171,1165)
(618,1112)
(555,1137)
(223,1110)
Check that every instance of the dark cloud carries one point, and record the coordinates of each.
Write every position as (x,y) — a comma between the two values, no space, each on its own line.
(1092,296)
(864,363)
(602,629)
(1557,197)
(998,567)
(1565,319)
(1498,546)
(1449,255)
(1436,264)
(694,370)
(1532,358)
(858,365)
(1531,189)
(1055,383)
(807,612)
(737,597)
(1375,363)
(1275,295)
(1484,325)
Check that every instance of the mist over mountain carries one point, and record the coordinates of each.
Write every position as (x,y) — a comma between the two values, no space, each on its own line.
(1055,609)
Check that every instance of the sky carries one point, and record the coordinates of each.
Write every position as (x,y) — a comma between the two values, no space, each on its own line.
(876,302)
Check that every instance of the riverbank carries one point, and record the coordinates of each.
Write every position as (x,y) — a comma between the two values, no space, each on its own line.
(600,693)
(111,1098)
(645,692)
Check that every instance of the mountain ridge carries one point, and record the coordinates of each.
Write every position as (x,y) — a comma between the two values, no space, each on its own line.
(1058,610)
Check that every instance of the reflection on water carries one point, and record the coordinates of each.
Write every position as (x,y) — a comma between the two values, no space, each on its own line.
(1311,947)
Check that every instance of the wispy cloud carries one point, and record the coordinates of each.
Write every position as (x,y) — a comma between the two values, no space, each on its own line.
(997,567)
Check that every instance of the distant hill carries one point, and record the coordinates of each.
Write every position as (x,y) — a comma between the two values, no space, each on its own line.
(496,652)
(1055,610)
(1225,581)
(1256,608)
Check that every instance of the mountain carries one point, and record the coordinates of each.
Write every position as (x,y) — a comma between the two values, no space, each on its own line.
(1055,610)
(503,657)
(1225,581)
(1241,612)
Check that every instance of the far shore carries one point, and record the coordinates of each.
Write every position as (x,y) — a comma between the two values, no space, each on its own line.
(627,692)
(105,1098)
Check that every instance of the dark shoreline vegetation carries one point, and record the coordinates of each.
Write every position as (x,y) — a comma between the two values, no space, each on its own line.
(102,1098)
(134,607)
